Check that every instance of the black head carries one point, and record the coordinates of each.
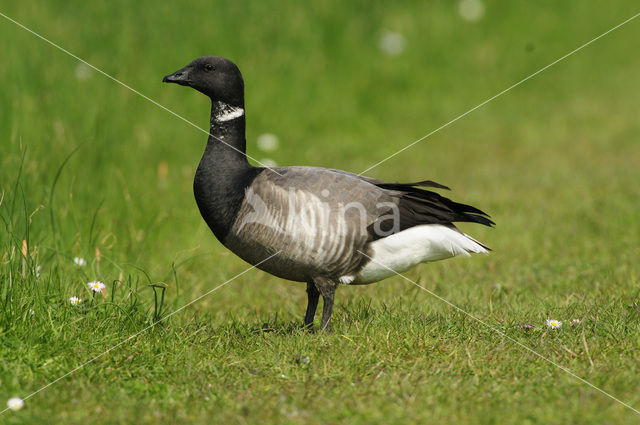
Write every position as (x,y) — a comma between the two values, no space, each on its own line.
(217,77)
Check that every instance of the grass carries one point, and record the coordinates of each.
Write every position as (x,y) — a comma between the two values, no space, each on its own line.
(85,163)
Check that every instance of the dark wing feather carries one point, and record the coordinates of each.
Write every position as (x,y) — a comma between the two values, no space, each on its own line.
(393,186)
(418,206)
(404,186)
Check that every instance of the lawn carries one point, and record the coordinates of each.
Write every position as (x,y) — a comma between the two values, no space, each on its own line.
(89,169)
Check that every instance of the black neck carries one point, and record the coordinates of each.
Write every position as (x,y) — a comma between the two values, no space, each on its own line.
(224,172)
(227,134)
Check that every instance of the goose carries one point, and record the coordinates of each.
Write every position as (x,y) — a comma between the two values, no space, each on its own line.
(319,226)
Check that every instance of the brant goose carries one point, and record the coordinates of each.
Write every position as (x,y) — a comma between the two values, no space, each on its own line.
(328,227)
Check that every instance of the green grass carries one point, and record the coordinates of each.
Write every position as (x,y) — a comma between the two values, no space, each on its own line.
(555,161)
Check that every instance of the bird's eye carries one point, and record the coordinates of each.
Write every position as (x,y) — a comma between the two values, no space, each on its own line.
(209,67)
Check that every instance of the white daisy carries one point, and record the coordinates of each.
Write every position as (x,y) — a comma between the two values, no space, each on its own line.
(96,286)
(553,324)
(471,10)
(83,72)
(268,162)
(392,43)
(268,142)
(15,403)
(80,262)
(75,300)
(575,322)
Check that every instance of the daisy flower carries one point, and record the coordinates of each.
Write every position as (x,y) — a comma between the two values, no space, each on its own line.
(80,262)
(75,300)
(83,72)
(15,403)
(268,142)
(471,10)
(96,286)
(553,324)
(268,162)
(575,322)
(392,43)
(527,327)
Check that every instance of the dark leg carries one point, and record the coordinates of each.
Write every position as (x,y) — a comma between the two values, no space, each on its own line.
(312,304)
(327,288)
(327,309)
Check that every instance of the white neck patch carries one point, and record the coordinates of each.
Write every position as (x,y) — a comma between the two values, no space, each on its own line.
(227,113)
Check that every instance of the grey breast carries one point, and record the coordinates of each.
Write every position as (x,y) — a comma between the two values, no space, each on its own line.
(315,218)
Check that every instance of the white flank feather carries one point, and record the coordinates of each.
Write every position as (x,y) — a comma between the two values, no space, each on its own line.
(403,250)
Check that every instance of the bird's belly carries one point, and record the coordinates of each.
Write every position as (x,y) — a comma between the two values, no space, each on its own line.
(308,238)
(278,262)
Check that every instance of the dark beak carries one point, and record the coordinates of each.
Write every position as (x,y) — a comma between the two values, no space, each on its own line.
(181,77)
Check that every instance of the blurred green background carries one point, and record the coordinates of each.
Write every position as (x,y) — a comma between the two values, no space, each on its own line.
(555,161)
